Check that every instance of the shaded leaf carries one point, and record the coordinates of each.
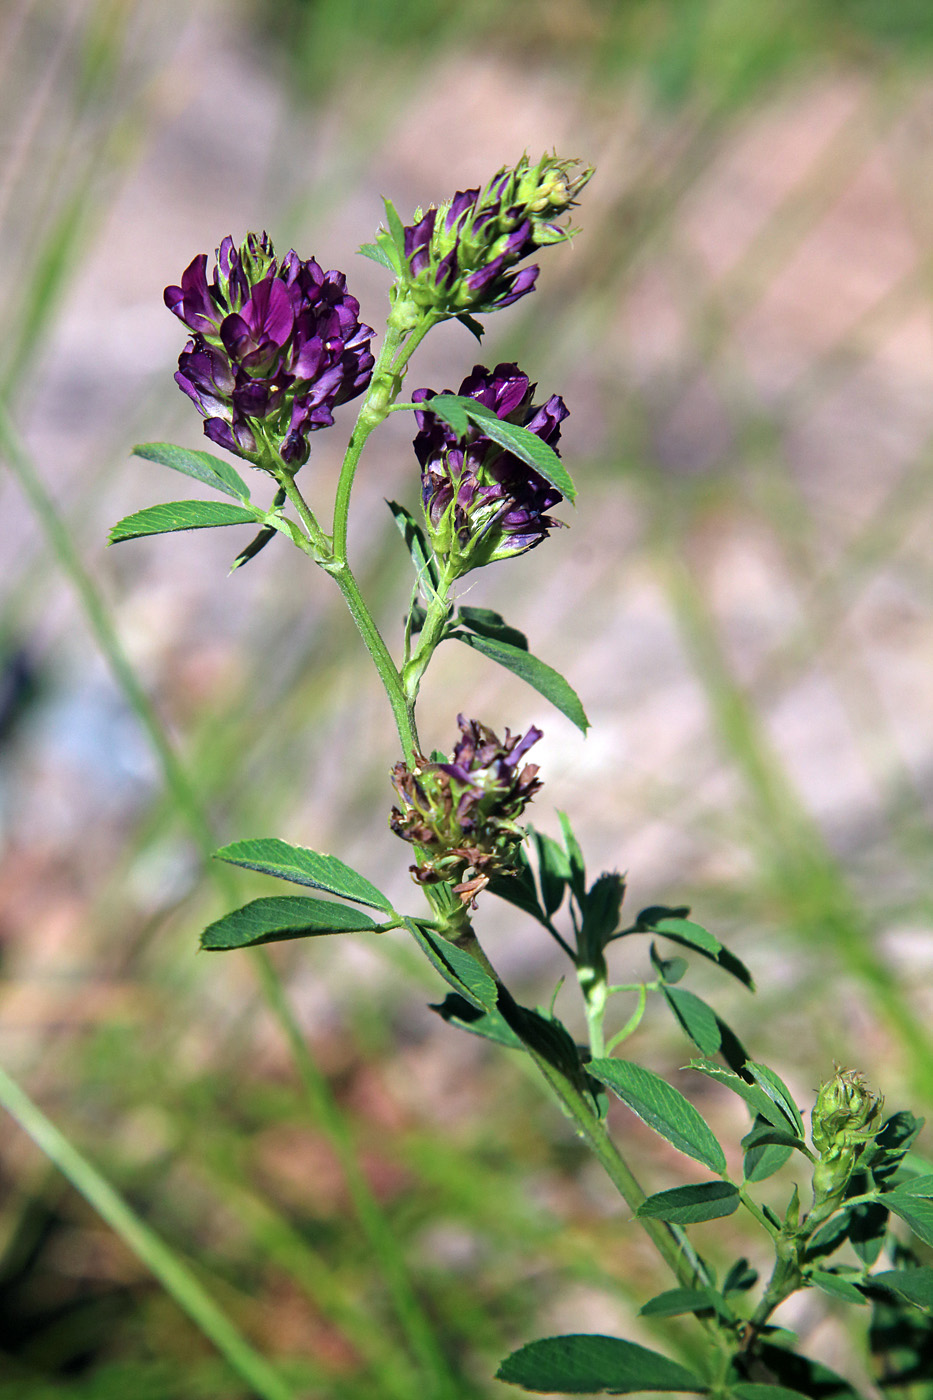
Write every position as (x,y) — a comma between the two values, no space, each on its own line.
(740,1278)
(282,917)
(677,1301)
(203,466)
(180,515)
(417,544)
(669,970)
(457,967)
(778,1092)
(698,1020)
(799,1373)
(575,858)
(601,910)
(916,1211)
(476,328)
(589,1365)
(916,1285)
(868,1228)
(837,1286)
(662,1107)
(753,1094)
(756,1390)
(541,677)
(487,623)
(670,924)
(272,856)
(519,888)
(553,870)
(491,1025)
(521,442)
(688,1205)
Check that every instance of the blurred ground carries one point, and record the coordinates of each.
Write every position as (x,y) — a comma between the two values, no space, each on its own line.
(742,332)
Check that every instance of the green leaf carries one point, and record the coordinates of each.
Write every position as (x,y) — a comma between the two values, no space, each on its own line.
(868,1228)
(669,970)
(271,856)
(763,1160)
(279,918)
(837,1287)
(590,1365)
(778,1092)
(677,1301)
(800,1374)
(542,678)
(417,545)
(491,1025)
(458,968)
(601,910)
(203,466)
(575,857)
(180,515)
(688,1205)
(916,1285)
(487,623)
(753,1094)
(662,1107)
(740,1278)
(553,870)
(697,1019)
(916,1186)
(526,445)
(916,1211)
(396,232)
(828,1238)
(377,255)
(758,1390)
(518,889)
(691,935)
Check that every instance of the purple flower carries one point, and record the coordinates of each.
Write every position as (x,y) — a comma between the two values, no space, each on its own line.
(464,813)
(462,258)
(275,348)
(481,502)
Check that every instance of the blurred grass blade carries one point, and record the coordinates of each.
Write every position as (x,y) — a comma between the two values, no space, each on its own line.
(152,1251)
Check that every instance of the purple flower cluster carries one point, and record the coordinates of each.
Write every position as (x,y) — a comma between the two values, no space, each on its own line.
(275,347)
(464,814)
(463,257)
(481,502)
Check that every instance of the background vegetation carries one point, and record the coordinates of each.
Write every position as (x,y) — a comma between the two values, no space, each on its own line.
(742,332)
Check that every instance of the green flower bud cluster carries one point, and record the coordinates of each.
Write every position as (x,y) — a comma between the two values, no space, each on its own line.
(846,1117)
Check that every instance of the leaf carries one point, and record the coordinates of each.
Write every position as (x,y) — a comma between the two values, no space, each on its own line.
(541,677)
(180,515)
(688,1205)
(588,1365)
(828,1238)
(697,1019)
(753,1094)
(476,328)
(662,1107)
(396,231)
(677,1301)
(279,918)
(457,967)
(575,858)
(916,1186)
(491,1025)
(521,442)
(691,935)
(757,1390)
(740,1278)
(553,871)
(519,889)
(916,1285)
(377,255)
(916,1211)
(801,1375)
(868,1228)
(418,547)
(669,970)
(487,623)
(271,856)
(601,910)
(778,1092)
(548,1037)
(837,1287)
(203,466)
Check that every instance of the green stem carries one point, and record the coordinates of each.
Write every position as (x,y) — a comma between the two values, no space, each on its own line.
(158,1257)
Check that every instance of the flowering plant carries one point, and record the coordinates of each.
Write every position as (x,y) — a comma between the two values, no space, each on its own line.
(275,348)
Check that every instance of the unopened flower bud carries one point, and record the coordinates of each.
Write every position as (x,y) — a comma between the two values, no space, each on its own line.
(462,257)
(464,814)
(846,1117)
